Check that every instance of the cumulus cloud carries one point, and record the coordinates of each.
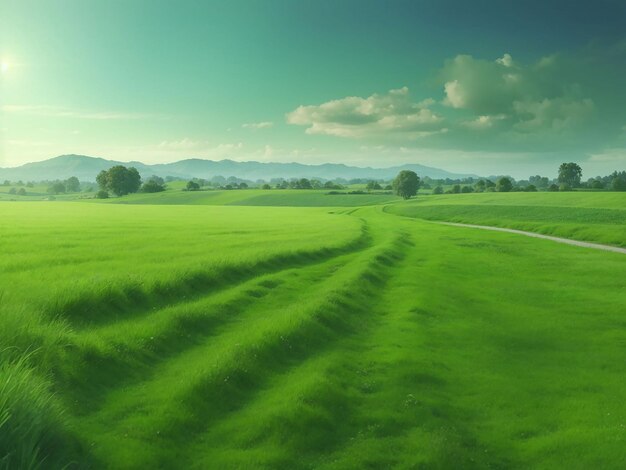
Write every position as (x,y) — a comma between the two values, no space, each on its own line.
(535,98)
(390,113)
(258,125)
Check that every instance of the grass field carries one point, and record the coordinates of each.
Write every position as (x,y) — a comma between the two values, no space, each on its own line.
(207,336)
(597,217)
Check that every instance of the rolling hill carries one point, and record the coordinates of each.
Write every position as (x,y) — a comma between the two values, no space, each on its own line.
(86,168)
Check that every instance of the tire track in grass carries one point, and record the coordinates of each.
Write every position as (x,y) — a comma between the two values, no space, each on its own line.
(303,411)
(114,302)
(196,388)
(131,350)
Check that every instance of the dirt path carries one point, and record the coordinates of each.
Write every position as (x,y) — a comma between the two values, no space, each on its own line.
(567,241)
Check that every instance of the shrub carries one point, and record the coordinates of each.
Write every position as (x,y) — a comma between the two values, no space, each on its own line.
(192,186)
(102,194)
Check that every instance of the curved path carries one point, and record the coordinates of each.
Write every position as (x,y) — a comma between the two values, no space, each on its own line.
(597,246)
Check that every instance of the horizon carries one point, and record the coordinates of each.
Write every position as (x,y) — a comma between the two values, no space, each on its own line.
(515,89)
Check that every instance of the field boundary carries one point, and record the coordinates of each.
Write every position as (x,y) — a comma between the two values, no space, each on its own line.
(567,241)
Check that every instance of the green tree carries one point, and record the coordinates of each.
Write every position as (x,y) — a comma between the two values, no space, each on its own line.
(21,192)
(570,174)
(72,185)
(504,185)
(153,186)
(102,194)
(406,183)
(304,183)
(373,185)
(438,190)
(56,188)
(119,180)
(192,186)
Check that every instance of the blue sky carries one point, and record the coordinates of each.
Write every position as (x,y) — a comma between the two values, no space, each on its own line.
(485,87)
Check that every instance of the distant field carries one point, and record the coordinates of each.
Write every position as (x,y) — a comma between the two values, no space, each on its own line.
(257,197)
(598,217)
(299,337)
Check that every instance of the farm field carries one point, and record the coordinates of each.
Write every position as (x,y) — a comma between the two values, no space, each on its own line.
(595,217)
(198,334)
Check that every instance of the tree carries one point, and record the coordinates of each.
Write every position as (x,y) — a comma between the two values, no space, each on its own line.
(553,187)
(21,192)
(192,186)
(119,180)
(153,186)
(72,185)
(243,186)
(57,188)
(531,188)
(406,184)
(304,183)
(373,185)
(504,185)
(12,191)
(266,186)
(618,181)
(570,174)
(438,190)
(102,194)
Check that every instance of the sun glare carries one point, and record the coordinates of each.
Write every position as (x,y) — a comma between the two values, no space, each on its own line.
(4,66)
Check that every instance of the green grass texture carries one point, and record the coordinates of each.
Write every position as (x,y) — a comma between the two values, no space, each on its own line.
(200,336)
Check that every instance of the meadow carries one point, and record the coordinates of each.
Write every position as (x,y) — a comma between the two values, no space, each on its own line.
(188,330)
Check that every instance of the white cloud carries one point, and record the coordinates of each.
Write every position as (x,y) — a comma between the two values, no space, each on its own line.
(258,125)
(353,116)
(483,122)
(505,60)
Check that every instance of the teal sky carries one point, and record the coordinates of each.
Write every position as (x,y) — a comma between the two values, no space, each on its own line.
(477,87)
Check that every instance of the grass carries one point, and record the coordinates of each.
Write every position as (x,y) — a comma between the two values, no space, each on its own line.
(281,337)
(596,217)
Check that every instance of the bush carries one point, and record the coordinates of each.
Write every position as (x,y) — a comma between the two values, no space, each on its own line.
(21,192)
(12,191)
(438,190)
(192,186)
(102,194)
(152,186)
(565,187)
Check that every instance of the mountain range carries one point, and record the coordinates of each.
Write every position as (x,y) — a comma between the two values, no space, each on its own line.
(86,169)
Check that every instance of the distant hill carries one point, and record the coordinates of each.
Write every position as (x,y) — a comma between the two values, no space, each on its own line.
(86,168)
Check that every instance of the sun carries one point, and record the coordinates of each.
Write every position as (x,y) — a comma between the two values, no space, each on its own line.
(4,67)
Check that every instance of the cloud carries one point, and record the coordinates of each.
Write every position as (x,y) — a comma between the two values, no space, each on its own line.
(62,112)
(353,117)
(483,122)
(560,104)
(199,146)
(536,98)
(258,125)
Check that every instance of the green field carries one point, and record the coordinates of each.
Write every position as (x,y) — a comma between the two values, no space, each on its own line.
(188,330)
(596,217)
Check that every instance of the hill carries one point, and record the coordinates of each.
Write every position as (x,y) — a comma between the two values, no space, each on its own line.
(86,168)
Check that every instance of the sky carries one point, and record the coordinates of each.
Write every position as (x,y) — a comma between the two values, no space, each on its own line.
(484,87)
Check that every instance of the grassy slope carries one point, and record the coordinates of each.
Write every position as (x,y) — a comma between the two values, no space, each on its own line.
(599,217)
(409,345)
